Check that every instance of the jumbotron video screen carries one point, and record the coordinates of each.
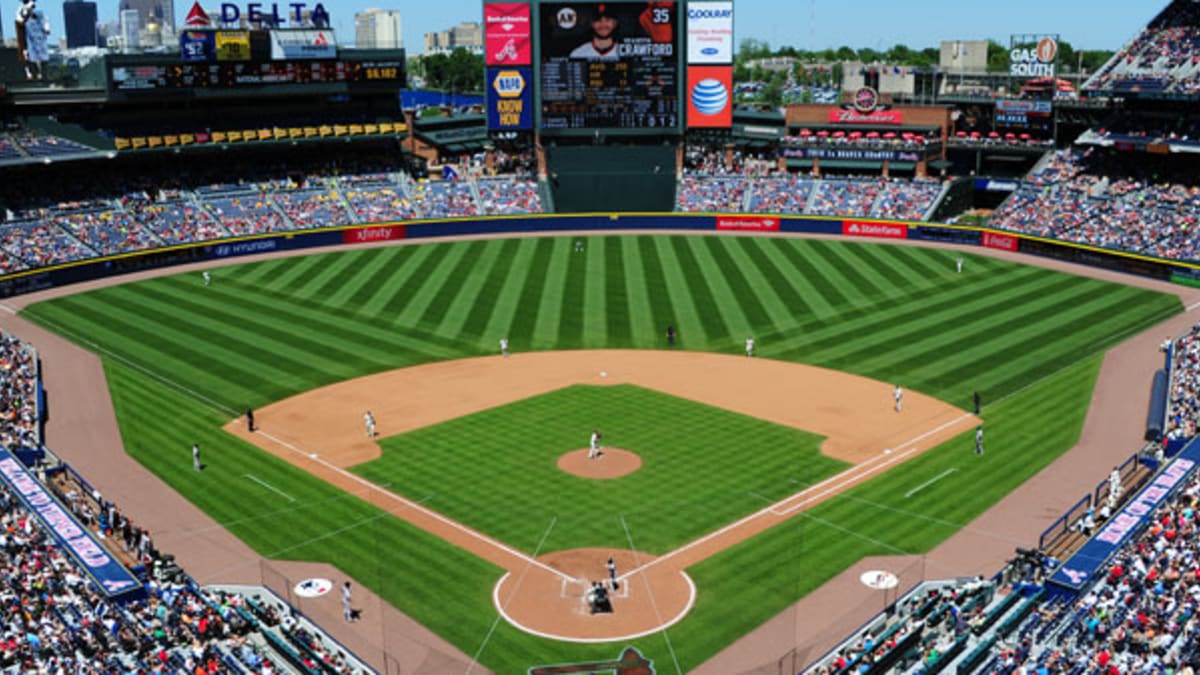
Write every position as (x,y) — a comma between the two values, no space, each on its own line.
(611,65)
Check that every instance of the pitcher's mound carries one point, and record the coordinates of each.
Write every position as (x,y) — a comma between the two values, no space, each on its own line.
(612,463)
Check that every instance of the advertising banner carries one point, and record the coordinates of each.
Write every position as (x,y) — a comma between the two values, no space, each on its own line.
(847,116)
(509,98)
(303,44)
(233,45)
(507,29)
(196,46)
(710,33)
(710,97)
(1080,567)
(1004,242)
(110,575)
(748,223)
(858,154)
(366,235)
(858,228)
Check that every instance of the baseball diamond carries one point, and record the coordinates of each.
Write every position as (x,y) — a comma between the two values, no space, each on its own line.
(469,440)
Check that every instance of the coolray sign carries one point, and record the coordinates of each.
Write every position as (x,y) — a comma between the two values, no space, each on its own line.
(843,116)
(364,235)
(710,96)
(197,46)
(111,576)
(748,223)
(261,12)
(509,98)
(855,154)
(1037,61)
(287,45)
(859,228)
(507,30)
(1004,242)
(1094,554)
(710,33)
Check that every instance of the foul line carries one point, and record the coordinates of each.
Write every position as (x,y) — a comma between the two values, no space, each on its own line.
(929,482)
(270,487)
(650,592)
(413,505)
(841,480)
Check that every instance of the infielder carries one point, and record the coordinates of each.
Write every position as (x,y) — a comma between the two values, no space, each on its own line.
(749,346)
(504,346)
(898,394)
(594,445)
(369,421)
(347,609)
(207,278)
(979,440)
(196,456)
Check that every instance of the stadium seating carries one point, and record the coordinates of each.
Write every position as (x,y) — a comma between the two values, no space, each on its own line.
(506,195)
(1163,57)
(1183,411)
(1081,196)
(797,194)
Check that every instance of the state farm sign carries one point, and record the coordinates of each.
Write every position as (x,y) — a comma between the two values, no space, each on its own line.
(858,228)
(850,116)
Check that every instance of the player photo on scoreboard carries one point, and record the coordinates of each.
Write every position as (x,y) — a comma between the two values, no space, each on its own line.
(608,31)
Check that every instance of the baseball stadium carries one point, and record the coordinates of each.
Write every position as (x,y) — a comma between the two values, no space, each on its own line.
(636,351)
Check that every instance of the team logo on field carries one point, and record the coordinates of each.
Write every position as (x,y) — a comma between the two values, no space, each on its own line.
(631,662)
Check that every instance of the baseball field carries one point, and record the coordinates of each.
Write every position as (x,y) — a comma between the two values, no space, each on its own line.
(307,341)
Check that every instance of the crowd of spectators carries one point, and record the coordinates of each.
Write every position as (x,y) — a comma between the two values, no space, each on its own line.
(876,197)
(1164,56)
(1087,197)
(507,195)
(19,423)
(1183,411)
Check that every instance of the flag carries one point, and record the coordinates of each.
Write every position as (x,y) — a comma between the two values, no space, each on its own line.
(448,173)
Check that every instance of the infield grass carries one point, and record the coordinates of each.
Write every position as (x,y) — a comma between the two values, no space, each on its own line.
(183,359)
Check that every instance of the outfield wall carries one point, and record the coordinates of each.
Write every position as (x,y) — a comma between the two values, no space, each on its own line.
(854,228)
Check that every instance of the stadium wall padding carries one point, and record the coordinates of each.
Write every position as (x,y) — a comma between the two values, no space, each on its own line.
(1156,416)
(28,281)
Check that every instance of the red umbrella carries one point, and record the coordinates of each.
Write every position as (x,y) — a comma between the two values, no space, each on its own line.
(993,134)
(890,135)
(961,134)
(975,134)
(872,134)
(822,133)
(839,134)
(1010,137)
(855,134)
(1025,137)
(805,133)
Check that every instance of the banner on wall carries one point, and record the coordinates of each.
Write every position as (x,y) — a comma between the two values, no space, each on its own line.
(710,33)
(509,98)
(507,29)
(710,97)
(233,45)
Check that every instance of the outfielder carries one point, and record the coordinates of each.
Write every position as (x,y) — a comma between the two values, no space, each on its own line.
(594,445)
(369,421)
(196,456)
(979,440)
(504,346)
(898,394)
(958,262)
(207,277)
(749,346)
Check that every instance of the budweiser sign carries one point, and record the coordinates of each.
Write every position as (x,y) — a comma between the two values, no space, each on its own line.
(856,228)
(850,116)
(751,223)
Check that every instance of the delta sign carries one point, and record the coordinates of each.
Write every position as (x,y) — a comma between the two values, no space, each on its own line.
(258,12)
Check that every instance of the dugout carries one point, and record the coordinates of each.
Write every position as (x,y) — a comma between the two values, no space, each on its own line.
(633,177)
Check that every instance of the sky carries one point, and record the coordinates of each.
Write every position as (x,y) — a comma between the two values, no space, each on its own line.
(809,24)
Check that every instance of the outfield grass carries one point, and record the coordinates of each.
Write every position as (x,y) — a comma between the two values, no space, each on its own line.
(698,472)
(182,359)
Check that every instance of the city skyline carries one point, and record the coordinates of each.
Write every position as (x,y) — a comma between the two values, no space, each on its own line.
(807,24)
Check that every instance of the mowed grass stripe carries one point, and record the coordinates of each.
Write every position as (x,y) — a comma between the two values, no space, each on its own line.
(387,281)
(425,288)
(795,342)
(647,317)
(255,273)
(549,311)
(487,296)
(451,288)
(667,310)
(595,292)
(331,275)
(734,321)
(774,309)
(338,295)
(784,275)
(693,282)
(473,292)
(571,307)
(782,302)
(297,268)
(919,262)
(260,333)
(401,295)
(375,270)
(897,273)
(849,274)
(524,316)
(617,326)
(508,300)
(815,271)
(740,289)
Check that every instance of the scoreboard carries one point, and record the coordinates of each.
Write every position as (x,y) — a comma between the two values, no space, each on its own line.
(160,77)
(609,65)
